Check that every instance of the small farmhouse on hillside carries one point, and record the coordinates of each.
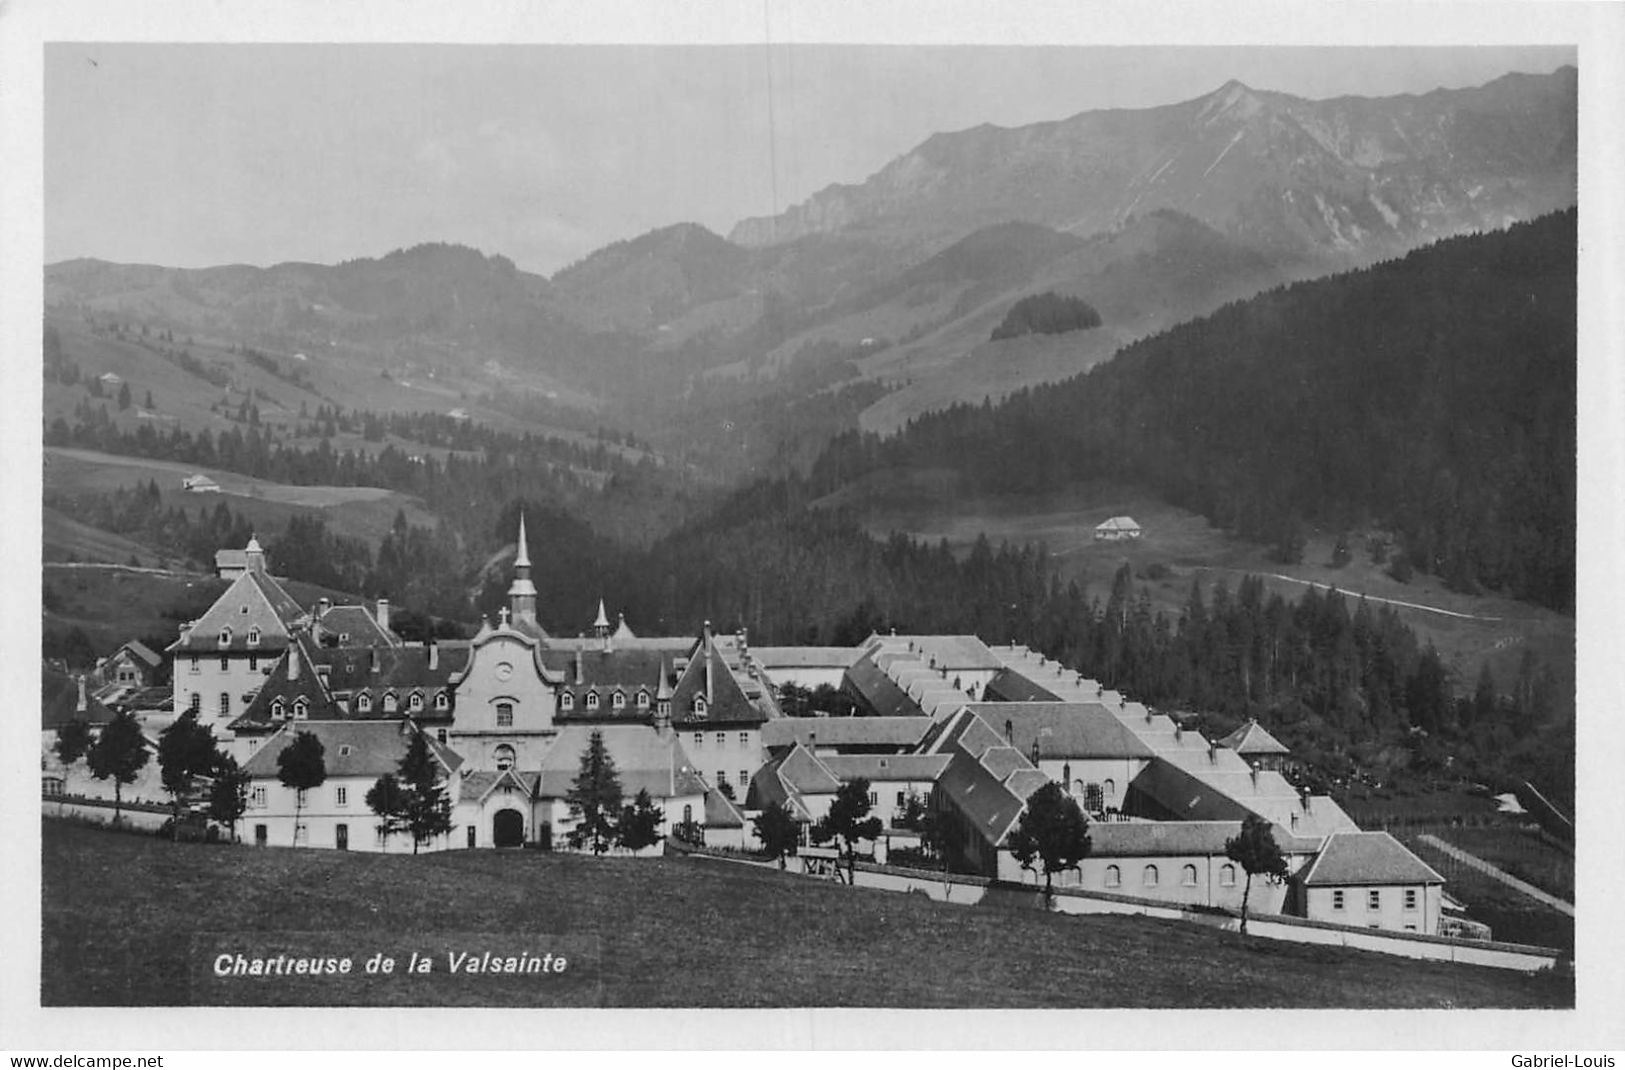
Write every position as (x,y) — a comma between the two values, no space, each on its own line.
(1116,529)
(200,484)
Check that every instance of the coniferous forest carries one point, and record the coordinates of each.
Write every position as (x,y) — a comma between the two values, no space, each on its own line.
(1434,396)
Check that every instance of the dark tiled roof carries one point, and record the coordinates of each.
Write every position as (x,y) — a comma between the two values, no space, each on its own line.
(728,703)
(983,802)
(720,813)
(1367,858)
(253,601)
(260,714)
(353,626)
(605,671)
(349,748)
(140,650)
(1251,738)
(400,671)
(643,760)
(1184,795)
(1064,730)
(900,732)
(804,774)
(968,732)
(59,703)
(876,691)
(1007,685)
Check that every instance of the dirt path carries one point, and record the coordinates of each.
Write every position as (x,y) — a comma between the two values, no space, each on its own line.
(1559,905)
(1367,597)
(107,565)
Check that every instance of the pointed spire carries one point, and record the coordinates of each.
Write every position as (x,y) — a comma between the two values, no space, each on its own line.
(664,690)
(521,559)
(603,618)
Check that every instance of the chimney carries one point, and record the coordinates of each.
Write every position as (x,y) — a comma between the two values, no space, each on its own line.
(293,663)
(1213,752)
(812,740)
(1009,732)
(1179,731)
(383,613)
(323,604)
(373,657)
(434,652)
(581,642)
(82,702)
(1254,774)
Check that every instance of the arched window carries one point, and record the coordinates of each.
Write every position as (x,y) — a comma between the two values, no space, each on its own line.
(277,712)
(363,702)
(225,703)
(441,702)
(1108,791)
(617,701)
(414,702)
(1077,788)
(1187,876)
(225,636)
(504,715)
(301,708)
(567,701)
(1114,877)
(1066,773)
(1149,878)
(688,814)
(643,700)
(391,703)
(592,700)
(254,636)
(504,757)
(1227,875)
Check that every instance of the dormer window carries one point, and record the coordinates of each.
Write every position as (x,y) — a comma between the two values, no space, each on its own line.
(363,702)
(253,637)
(643,700)
(617,701)
(225,636)
(301,709)
(441,702)
(391,703)
(592,700)
(277,712)
(415,703)
(567,701)
(701,707)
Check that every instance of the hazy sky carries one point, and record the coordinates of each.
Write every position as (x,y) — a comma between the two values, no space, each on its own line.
(191,155)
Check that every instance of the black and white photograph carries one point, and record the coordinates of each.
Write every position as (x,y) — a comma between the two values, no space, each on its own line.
(815,510)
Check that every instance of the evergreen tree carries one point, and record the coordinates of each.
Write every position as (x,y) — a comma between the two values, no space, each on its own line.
(119,754)
(124,399)
(777,830)
(425,807)
(639,826)
(1254,849)
(302,766)
(1051,834)
(595,798)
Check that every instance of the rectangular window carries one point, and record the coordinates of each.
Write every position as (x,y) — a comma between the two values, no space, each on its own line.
(699,739)
(744,778)
(194,663)
(744,739)
(722,739)
(225,663)
(259,798)
(1410,926)
(1410,898)
(304,799)
(504,715)
(1373,899)
(901,799)
(341,796)
(722,778)
(225,704)
(301,833)
(1337,899)
(874,798)
(196,702)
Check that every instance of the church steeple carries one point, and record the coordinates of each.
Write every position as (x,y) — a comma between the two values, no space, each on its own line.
(522,592)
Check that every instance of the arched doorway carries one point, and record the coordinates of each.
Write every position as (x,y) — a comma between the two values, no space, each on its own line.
(508,829)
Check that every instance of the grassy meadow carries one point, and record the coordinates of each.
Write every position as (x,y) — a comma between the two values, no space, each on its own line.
(133,920)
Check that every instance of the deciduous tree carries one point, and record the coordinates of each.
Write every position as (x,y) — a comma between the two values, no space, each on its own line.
(1052,834)
(848,821)
(1254,849)
(185,752)
(228,795)
(302,765)
(73,740)
(119,754)
(778,831)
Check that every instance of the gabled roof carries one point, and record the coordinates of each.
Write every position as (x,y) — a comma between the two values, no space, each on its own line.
(603,671)
(350,748)
(1185,796)
(1367,858)
(968,732)
(1063,730)
(622,631)
(875,690)
(727,702)
(141,652)
(720,813)
(1010,686)
(59,702)
(1109,839)
(805,774)
(951,652)
(1251,738)
(643,760)
(354,626)
(253,601)
(982,800)
(837,732)
(1118,523)
(804,657)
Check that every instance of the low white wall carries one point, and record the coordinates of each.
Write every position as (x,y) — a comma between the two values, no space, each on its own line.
(102,814)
